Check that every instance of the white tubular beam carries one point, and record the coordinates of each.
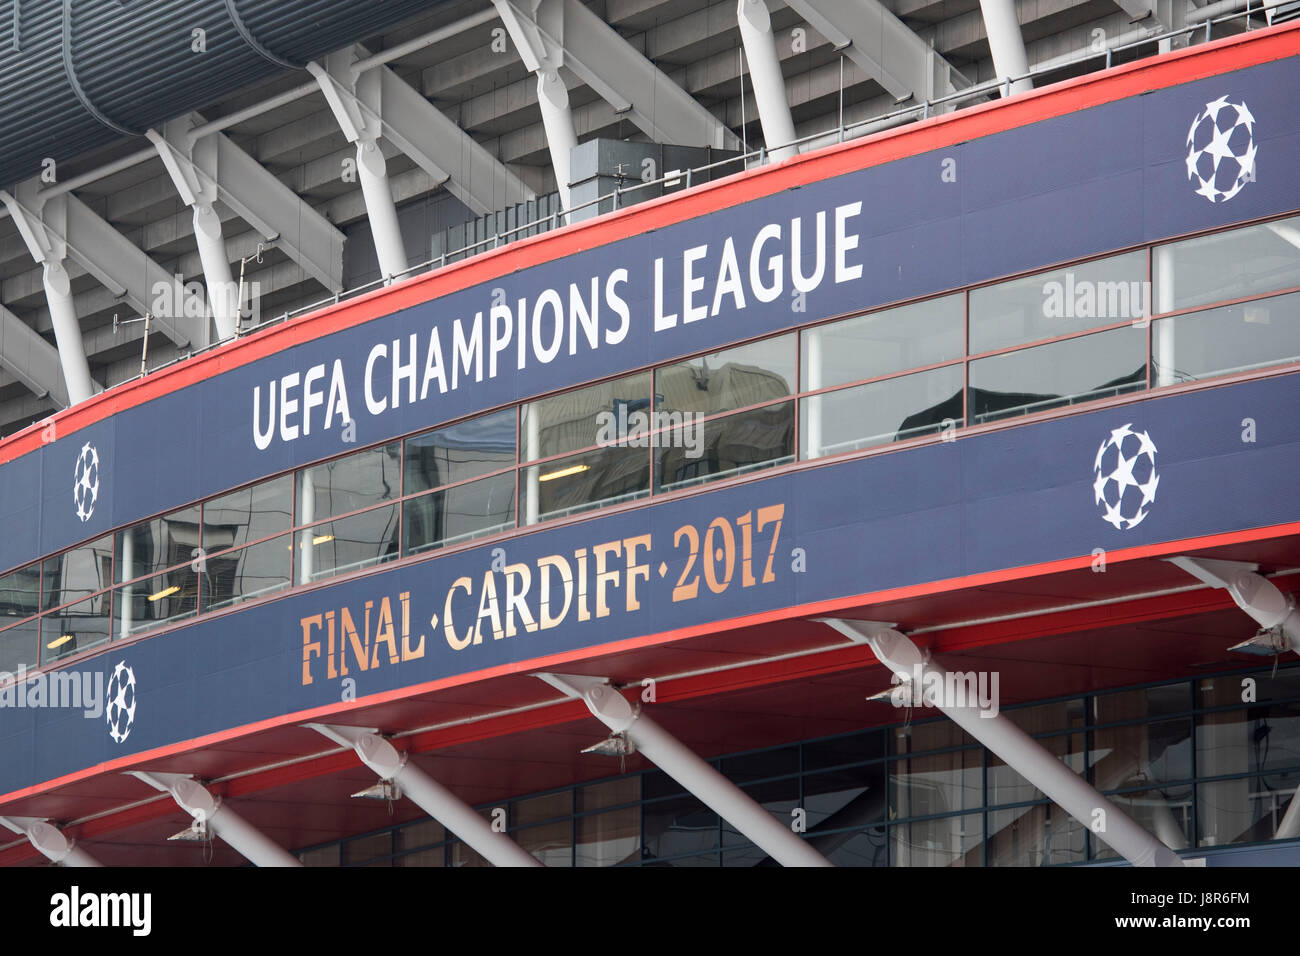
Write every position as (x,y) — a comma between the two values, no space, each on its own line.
(432,797)
(50,840)
(1021,752)
(1289,827)
(769,83)
(195,800)
(685,766)
(1006,42)
(32,360)
(882,45)
(557,119)
(1253,593)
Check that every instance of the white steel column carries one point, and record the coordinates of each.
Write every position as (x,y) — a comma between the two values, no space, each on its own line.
(1289,827)
(769,83)
(1006,42)
(685,766)
(557,120)
(48,247)
(532,450)
(1164,354)
(1255,594)
(50,840)
(1030,759)
(813,363)
(195,800)
(306,515)
(432,797)
(126,574)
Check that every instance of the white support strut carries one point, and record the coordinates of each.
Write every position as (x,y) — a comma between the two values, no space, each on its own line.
(53,844)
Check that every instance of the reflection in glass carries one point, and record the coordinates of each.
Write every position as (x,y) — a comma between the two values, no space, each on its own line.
(247,573)
(20,593)
(1062,373)
(77,573)
(734,378)
(1163,811)
(949,841)
(348,484)
(347,544)
(679,826)
(581,482)
(608,839)
(459,514)
(153,602)
(18,646)
(1234,338)
(1006,785)
(248,514)
(152,546)
(75,628)
(459,452)
(1060,302)
(729,446)
(576,419)
(928,784)
(1245,810)
(881,412)
(1227,265)
(895,340)
(1038,835)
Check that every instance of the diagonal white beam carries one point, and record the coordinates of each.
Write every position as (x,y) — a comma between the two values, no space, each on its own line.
(882,45)
(611,66)
(32,360)
(195,800)
(765,72)
(50,840)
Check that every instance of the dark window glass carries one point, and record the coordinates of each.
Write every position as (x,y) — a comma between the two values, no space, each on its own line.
(1062,373)
(75,628)
(460,513)
(347,544)
(151,546)
(1245,810)
(1059,302)
(726,447)
(910,336)
(247,573)
(678,826)
(459,452)
(608,839)
(1040,835)
(860,848)
(1162,810)
(850,798)
(1227,265)
(249,514)
(948,841)
(18,646)
(735,378)
(366,849)
(155,601)
(892,410)
(348,484)
(582,418)
(581,482)
(1006,785)
(1234,338)
(77,573)
(20,593)
(838,751)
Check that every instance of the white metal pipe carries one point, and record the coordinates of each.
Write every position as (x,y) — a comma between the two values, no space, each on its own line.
(222,291)
(532,451)
(557,120)
(687,768)
(1255,594)
(67,332)
(126,573)
(1020,751)
(812,341)
(372,170)
(1224,7)
(765,73)
(306,515)
(432,797)
(1163,332)
(1006,42)
(1289,827)
(52,843)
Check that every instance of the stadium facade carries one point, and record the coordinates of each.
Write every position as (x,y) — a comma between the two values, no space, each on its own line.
(920,493)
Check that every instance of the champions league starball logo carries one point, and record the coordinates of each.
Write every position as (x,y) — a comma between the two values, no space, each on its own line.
(120,711)
(1221,150)
(1126,478)
(85,482)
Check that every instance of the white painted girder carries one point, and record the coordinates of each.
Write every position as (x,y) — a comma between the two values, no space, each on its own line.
(31,359)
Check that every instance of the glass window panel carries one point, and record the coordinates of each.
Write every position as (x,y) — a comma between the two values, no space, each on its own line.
(678,826)
(1045,718)
(153,602)
(18,646)
(435,857)
(863,848)
(1226,691)
(348,484)
(151,546)
(578,483)
(610,793)
(1006,785)
(322,856)
(462,855)
(77,573)
(911,336)
(459,452)
(935,783)
(729,446)
(20,593)
(422,833)
(1059,302)
(881,412)
(248,573)
(249,514)
(347,544)
(608,839)
(551,843)
(75,628)
(547,807)
(1063,373)
(1039,835)
(927,735)
(1132,754)
(1234,338)
(762,765)
(1143,704)
(840,799)
(1163,811)
(777,797)
(1250,740)
(838,751)
(1245,810)
(735,378)
(460,513)
(367,848)
(1227,265)
(576,419)
(950,841)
